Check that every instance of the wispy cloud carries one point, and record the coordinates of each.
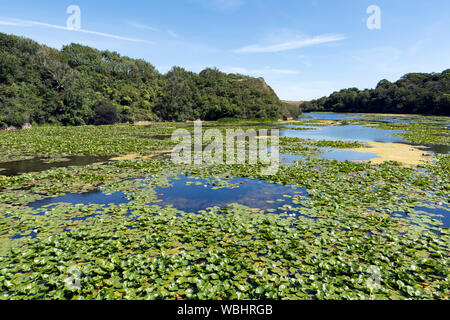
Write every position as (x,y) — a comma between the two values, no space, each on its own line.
(224,6)
(30,23)
(172,34)
(143,26)
(13,24)
(137,25)
(291,45)
(263,72)
(383,59)
(418,46)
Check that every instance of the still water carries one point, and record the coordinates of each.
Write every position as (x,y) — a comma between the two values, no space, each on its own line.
(14,168)
(194,194)
(345,133)
(333,116)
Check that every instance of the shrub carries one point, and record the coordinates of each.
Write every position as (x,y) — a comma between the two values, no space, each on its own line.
(104,113)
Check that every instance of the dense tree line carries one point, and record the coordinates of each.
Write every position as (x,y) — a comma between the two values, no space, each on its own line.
(414,93)
(80,85)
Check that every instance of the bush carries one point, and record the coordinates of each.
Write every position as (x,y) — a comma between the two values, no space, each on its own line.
(16,119)
(225,120)
(105,113)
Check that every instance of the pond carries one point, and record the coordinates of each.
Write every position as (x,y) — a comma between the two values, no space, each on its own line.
(360,133)
(333,116)
(93,197)
(330,153)
(348,155)
(286,158)
(435,148)
(14,168)
(131,236)
(425,213)
(349,132)
(441,213)
(194,194)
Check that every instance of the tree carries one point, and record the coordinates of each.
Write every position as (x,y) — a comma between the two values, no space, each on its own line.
(419,93)
(104,113)
(81,85)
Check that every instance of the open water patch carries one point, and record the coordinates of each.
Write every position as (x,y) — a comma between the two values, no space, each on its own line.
(15,168)
(192,194)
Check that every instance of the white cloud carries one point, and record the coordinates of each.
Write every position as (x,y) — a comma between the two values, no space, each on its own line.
(291,45)
(136,25)
(143,26)
(14,24)
(172,34)
(29,23)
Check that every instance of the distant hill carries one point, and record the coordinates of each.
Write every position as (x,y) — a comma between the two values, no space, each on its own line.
(293,103)
(82,85)
(414,93)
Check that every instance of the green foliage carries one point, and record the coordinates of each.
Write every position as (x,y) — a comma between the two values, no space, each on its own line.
(414,93)
(43,85)
(105,113)
(235,120)
(355,216)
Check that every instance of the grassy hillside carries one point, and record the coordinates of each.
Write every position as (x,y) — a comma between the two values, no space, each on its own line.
(81,85)
(415,93)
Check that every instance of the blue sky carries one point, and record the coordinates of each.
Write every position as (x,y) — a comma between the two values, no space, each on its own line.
(303,48)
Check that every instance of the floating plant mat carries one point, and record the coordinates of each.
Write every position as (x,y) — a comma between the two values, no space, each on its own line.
(440,212)
(196,194)
(407,121)
(435,216)
(415,130)
(130,246)
(433,135)
(163,253)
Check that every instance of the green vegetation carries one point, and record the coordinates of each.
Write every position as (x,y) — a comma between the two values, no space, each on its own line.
(356,216)
(418,133)
(308,147)
(109,140)
(80,85)
(414,93)
(353,217)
